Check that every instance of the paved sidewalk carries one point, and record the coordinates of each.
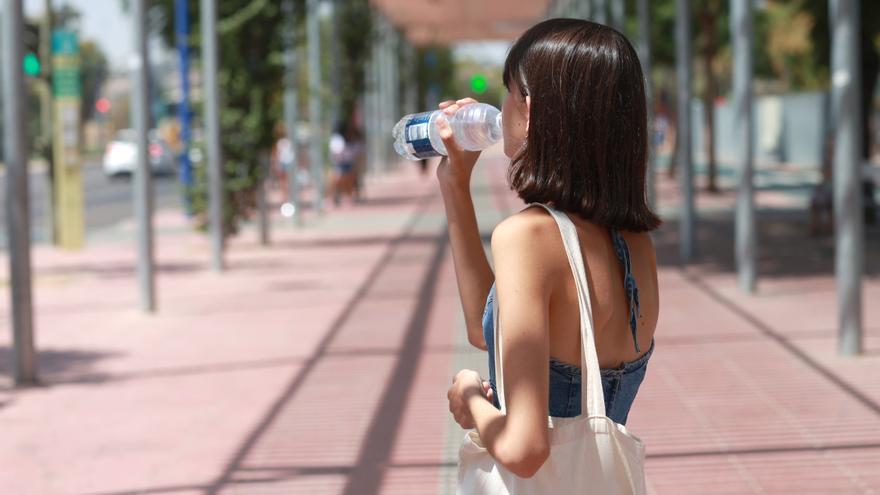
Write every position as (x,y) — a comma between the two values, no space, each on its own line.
(320,364)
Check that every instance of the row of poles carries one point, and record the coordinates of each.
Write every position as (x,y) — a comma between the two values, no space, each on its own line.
(382,104)
(16,153)
(845,115)
(391,89)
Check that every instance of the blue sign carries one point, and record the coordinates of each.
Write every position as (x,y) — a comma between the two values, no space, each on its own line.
(64,42)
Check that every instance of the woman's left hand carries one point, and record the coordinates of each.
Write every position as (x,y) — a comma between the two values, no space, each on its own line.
(465,385)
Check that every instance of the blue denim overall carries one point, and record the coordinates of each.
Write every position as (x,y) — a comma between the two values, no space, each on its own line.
(619,385)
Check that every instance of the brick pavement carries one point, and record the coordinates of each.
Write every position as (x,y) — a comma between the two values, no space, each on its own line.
(320,364)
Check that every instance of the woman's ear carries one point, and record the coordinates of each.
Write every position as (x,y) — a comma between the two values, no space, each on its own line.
(528,111)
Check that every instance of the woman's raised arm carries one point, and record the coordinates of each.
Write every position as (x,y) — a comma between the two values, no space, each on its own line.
(472,268)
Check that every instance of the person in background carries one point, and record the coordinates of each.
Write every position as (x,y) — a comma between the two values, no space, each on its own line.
(346,148)
(282,158)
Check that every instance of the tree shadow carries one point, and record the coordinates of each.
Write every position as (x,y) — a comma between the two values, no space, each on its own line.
(115,270)
(57,365)
(366,473)
(785,247)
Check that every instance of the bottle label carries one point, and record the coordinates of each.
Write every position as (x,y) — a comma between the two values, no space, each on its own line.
(416,134)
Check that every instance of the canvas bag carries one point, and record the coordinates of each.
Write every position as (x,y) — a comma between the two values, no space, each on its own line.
(589,453)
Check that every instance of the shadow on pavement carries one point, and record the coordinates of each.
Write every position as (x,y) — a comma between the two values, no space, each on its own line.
(115,270)
(365,476)
(785,247)
(55,365)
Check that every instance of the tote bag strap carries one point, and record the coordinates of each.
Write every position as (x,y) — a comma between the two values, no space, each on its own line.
(592,397)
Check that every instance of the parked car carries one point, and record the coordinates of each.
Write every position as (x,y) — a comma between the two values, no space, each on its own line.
(121,154)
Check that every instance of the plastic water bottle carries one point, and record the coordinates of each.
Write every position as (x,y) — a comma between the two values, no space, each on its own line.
(475,127)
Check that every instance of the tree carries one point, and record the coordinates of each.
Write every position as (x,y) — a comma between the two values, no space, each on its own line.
(93,73)
(869,21)
(710,33)
(251,78)
(712,19)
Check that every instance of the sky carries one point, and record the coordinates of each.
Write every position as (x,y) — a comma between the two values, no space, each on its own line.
(103,21)
(484,52)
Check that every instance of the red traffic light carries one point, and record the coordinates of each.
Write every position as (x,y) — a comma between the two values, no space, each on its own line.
(102,105)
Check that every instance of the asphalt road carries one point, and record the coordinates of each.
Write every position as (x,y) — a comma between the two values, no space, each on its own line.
(107,201)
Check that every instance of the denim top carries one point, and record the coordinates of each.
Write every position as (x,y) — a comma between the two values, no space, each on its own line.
(619,385)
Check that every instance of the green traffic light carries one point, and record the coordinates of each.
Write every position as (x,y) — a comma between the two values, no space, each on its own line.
(479,85)
(31,65)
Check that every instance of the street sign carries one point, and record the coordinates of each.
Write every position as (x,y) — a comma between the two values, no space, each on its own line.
(67,93)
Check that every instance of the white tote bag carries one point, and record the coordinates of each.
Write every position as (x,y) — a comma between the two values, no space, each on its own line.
(589,454)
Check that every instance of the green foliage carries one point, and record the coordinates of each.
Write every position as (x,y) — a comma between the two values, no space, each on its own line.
(94,72)
(436,75)
(250,81)
(355,35)
(251,77)
(792,40)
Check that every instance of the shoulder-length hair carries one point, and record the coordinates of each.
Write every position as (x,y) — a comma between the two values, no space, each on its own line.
(587,146)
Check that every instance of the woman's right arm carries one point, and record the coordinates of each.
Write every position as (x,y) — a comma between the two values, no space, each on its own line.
(472,270)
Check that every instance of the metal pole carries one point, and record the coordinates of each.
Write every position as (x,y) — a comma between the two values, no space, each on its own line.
(617,14)
(335,65)
(393,87)
(47,124)
(644,46)
(600,11)
(741,31)
(143,176)
(262,201)
(316,145)
(291,108)
(18,231)
(584,9)
(373,110)
(687,248)
(212,131)
(848,208)
(181,30)
(412,96)
(381,91)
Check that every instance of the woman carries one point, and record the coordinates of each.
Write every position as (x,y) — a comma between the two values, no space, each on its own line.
(574,125)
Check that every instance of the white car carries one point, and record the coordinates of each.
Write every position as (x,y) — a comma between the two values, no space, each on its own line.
(121,155)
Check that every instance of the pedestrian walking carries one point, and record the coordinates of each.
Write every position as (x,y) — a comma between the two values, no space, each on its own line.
(569,314)
(346,148)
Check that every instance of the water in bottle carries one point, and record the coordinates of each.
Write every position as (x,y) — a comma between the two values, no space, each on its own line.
(475,127)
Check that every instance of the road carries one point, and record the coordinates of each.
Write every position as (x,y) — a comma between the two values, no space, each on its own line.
(107,201)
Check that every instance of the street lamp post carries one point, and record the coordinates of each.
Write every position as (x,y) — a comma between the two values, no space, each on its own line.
(316,145)
(741,31)
(291,109)
(17,214)
(214,157)
(686,219)
(644,47)
(848,209)
(143,176)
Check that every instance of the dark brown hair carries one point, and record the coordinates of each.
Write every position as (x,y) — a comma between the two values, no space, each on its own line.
(587,146)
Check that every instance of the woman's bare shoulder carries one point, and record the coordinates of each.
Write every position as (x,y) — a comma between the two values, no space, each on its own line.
(530,226)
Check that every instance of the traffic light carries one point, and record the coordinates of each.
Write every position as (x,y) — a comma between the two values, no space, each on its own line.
(31,62)
(479,85)
(102,105)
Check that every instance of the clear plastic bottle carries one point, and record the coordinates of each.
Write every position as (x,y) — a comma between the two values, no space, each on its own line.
(475,127)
